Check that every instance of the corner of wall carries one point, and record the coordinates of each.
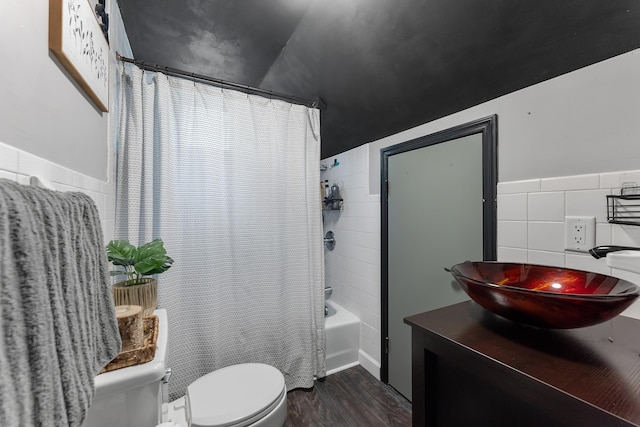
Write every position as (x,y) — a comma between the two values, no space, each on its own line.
(369,363)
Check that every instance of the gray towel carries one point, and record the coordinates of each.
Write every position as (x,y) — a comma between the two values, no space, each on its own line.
(57,321)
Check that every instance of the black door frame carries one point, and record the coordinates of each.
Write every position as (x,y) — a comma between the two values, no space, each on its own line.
(488,127)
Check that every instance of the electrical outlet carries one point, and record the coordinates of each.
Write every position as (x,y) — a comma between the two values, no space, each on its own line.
(579,233)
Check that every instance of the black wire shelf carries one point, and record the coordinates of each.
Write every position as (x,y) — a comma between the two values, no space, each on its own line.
(624,208)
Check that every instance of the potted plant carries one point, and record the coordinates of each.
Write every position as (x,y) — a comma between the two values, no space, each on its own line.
(138,264)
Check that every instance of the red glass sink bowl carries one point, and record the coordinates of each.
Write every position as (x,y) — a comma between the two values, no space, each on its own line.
(543,296)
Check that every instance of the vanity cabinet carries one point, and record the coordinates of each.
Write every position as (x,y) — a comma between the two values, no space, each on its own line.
(472,368)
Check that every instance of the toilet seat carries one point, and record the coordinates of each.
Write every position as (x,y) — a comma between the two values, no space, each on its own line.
(237,395)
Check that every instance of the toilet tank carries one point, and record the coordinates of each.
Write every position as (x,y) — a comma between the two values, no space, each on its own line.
(132,396)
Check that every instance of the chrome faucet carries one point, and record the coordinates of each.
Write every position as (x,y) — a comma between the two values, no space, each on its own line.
(602,251)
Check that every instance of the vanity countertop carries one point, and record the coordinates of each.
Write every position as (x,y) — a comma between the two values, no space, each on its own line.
(504,372)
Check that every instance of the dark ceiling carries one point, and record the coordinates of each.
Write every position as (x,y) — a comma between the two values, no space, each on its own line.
(381,66)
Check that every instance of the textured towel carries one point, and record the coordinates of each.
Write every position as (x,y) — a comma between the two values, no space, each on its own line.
(57,321)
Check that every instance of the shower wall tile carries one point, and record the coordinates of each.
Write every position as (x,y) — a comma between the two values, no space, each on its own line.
(364,209)
(370,349)
(370,334)
(369,339)
(357,252)
(371,318)
(361,155)
(359,238)
(367,286)
(363,269)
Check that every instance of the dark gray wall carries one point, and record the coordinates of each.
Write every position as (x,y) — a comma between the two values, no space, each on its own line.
(382,66)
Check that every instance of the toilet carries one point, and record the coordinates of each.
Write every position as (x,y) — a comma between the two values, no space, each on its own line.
(243,395)
(250,394)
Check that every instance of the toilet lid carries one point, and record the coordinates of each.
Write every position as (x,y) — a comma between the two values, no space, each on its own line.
(233,395)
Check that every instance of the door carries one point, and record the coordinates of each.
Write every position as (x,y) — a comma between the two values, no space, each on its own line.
(435,218)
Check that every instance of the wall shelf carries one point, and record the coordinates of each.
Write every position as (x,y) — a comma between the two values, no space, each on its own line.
(331,204)
(624,208)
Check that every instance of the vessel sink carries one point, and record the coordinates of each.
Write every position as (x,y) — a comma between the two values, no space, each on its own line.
(544,296)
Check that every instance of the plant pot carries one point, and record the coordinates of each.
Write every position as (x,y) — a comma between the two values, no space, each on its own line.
(144,293)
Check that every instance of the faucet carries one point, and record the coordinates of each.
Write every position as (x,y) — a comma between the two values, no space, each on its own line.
(602,251)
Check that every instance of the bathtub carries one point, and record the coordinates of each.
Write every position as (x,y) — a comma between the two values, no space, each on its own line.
(343,338)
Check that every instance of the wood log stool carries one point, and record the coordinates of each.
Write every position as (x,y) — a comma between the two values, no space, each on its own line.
(130,326)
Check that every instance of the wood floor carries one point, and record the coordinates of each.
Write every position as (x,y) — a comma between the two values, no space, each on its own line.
(349,398)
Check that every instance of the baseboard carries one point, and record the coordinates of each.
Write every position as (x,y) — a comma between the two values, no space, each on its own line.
(369,363)
(342,368)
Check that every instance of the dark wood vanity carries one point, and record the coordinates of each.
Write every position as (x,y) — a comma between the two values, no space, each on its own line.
(472,368)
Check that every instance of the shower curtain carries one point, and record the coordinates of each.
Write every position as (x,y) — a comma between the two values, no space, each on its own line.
(230,183)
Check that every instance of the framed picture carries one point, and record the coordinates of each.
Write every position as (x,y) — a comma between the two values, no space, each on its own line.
(75,37)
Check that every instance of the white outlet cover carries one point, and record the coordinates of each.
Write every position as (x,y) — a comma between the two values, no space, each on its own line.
(579,241)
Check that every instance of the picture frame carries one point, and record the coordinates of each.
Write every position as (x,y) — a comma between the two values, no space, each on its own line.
(76,39)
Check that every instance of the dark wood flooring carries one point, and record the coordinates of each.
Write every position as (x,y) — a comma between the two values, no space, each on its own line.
(351,398)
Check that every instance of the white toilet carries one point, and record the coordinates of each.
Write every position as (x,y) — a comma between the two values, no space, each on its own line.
(244,395)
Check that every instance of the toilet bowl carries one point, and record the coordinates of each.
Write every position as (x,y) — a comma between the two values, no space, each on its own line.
(243,395)
(250,394)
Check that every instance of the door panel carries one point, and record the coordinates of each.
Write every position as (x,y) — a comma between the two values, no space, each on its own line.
(435,220)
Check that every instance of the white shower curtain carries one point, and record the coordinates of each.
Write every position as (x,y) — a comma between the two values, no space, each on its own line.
(230,183)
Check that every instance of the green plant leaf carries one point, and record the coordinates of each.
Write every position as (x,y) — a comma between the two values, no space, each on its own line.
(121,252)
(151,258)
(167,265)
(146,260)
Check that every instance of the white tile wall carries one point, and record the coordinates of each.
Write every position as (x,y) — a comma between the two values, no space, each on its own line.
(588,203)
(512,206)
(546,206)
(545,258)
(577,182)
(18,165)
(528,186)
(546,236)
(352,269)
(513,234)
(539,207)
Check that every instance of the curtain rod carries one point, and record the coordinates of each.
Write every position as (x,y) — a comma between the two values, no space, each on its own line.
(312,103)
